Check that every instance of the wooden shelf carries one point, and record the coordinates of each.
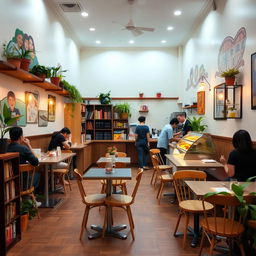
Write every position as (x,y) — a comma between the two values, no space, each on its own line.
(26,77)
(190,107)
(137,98)
(143,111)
(119,119)
(119,128)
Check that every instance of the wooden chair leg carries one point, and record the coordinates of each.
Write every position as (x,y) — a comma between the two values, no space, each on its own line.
(212,245)
(128,210)
(153,175)
(131,217)
(62,180)
(86,217)
(69,183)
(102,189)
(186,229)
(177,224)
(241,249)
(124,188)
(161,192)
(83,224)
(201,243)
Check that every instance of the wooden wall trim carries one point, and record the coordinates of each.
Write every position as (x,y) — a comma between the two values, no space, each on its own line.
(39,136)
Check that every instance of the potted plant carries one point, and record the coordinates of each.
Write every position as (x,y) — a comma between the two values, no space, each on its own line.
(6,121)
(105,98)
(124,110)
(112,151)
(41,71)
(158,94)
(141,94)
(28,211)
(13,58)
(229,76)
(232,112)
(196,124)
(56,75)
(74,94)
(25,59)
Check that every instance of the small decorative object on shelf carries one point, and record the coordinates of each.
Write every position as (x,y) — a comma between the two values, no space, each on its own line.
(227,101)
(141,94)
(56,75)
(229,76)
(158,94)
(105,98)
(143,108)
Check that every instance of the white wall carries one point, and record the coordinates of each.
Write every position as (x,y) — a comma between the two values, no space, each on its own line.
(126,72)
(53,45)
(203,48)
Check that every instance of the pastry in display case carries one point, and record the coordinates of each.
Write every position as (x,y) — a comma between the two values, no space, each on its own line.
(196,146)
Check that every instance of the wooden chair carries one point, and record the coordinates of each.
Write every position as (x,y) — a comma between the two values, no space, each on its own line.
(125,201)
(187,204)
(162,176)
(161,166)
(61,173)
(226,226)
(91,201)
(27,173)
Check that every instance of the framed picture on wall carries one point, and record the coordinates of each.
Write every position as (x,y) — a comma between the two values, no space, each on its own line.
(253,80)
(42,118)
(201,103)
(32,104)
(51,108)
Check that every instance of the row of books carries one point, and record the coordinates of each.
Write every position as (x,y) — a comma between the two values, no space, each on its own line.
(103,125)
(89,114)
(83,119)
(10,212)
(100,114)
(118,124)
(120,135)
(103,135)
(8,171)
(10,232)
(9,190)
(83,108)
(89,125)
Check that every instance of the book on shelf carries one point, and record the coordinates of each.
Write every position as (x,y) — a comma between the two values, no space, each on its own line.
(89,125)
(120,124)
(100,114)
(10,212)
(9,190)
(120,135)
(10,232)
(8,171)
(83,108)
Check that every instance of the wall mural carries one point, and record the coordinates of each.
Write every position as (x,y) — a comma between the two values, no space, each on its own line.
(32,105)
(231,52)
(22,41)
(51,108)
(16,106)
(42,118)
(195,76)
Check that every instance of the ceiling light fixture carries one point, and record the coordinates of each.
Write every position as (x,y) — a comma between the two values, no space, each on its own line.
(131,42)
(98,42)
(92,29)
(177,13)
(84,14)
(169,28)
(163,41)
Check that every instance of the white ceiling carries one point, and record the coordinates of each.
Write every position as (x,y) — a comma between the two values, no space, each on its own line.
(106,16)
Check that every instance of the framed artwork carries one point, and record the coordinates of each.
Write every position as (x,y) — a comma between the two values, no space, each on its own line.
(42,118)
(51,108)
(32,105)
(16,106)
(201,103)
(253,80)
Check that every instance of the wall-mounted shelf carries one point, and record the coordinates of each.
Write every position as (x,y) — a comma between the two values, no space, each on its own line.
(137,98)
(190,106)
(26,77)
(143,111)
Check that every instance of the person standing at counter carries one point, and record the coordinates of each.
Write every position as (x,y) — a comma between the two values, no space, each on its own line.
(186,126)
(142,136)
(242,159)
(166,136)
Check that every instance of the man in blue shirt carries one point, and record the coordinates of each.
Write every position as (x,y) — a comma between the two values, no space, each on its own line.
(166,136)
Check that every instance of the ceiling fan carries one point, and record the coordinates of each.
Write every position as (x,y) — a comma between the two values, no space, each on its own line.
(136,31)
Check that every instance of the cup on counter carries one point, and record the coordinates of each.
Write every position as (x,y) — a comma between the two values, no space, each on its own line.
(58,151)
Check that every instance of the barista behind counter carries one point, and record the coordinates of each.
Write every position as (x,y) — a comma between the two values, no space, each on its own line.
(186,125)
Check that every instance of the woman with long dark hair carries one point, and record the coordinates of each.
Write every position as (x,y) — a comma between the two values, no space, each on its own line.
(241,163)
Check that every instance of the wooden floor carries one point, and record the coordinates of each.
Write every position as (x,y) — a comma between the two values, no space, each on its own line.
(57,232)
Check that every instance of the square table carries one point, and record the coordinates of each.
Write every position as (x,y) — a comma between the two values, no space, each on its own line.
(126,160)
(100,174)
(48,161)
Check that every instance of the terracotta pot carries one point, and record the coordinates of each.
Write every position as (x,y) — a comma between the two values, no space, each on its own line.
(230,80)
(25,64)
(15,62)
(124,115)
(3,146)
(24,222)
(141,94)
(158,95)
(55,80)
(42,76)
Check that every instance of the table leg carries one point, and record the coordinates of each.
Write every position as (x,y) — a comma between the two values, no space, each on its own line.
(52,180)
(196,230)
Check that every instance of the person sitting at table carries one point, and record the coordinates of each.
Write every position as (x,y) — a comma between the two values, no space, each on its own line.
(166,136)
(60,139)
(242,159)
(186,126)
(22,145)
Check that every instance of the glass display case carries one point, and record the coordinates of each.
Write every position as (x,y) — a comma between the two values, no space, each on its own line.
(196,146)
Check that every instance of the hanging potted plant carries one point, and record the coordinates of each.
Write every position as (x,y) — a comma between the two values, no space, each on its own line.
(229,76)
(56,74)
(141,94)
(13,58)
(28,211)
(6,121)
(41,71)
(25,59)
(74,94)
(196,124)
(124,110)
(105,98)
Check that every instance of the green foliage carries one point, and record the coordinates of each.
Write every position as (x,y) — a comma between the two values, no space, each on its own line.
(25,54)
(6,121)
(10,55)
(196,124)
(56,72)
(105,98)
(28,207)
(230,72)
(39,69)
(74,93)
(123,108)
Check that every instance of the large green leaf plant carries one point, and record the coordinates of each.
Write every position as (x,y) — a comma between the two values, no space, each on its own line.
(196,124)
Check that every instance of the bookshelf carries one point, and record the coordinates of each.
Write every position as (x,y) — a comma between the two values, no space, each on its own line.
(10,232)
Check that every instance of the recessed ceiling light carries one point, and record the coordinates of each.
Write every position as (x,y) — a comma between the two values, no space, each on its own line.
(98,42)
(163,41)
(84,14)
(131,42)
(169,28)
(177,13)
(92,29)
